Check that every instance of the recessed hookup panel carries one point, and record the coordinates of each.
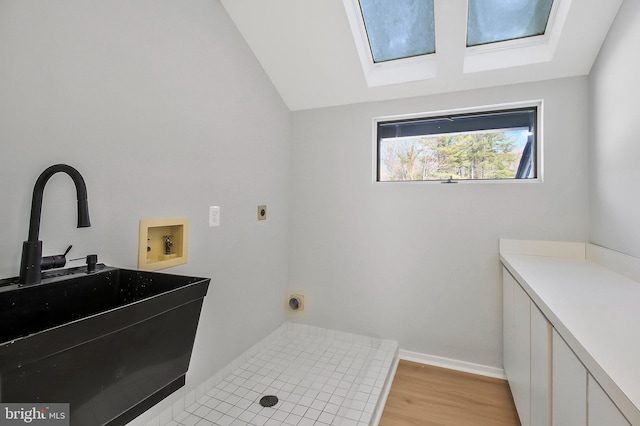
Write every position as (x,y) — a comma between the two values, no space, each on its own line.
(163,243)
(262,212)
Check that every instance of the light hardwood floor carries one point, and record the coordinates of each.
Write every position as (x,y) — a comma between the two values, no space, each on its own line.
(425,395)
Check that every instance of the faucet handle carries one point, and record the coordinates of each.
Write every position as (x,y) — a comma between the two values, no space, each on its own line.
(57,261)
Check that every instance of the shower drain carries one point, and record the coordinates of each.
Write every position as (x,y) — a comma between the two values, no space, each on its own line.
(268,400)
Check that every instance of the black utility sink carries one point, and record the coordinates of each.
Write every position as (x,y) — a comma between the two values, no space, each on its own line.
(111,343)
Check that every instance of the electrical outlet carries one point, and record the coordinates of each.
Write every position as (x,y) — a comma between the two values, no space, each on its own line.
(262,212)
(214,216)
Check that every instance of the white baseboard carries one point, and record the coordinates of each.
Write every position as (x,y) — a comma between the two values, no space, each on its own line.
(452,364)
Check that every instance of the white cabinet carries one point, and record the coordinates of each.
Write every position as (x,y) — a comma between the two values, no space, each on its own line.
(569,386)
(601,410)
(517,348)
(549,384)
(527,354)
(521,376)
(577,398)
(580,365)
(508,328)
(540,368)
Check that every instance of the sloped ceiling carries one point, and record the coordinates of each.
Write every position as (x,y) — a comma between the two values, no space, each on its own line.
(308,50)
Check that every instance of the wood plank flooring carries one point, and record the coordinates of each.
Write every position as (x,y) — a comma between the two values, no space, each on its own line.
(428,396)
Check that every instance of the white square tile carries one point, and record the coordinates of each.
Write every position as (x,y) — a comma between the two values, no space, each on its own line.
(203,399)
(286,406)
(357,405)
(326,417)
(318,404)
(201,390)
(369,408)
(254,408)
(225,420)
(306,422)
(341,392)
(306,401)
(292,419)
(212,403)
(189,398)
(221,395)
(273,422)
(279,415)
(259,420)
(166,416)
(323,396)
(178,407)
(213,415)
(293,398)
(223,407)
(190,420)
(232,399)
(335,399)
(181,416)
(299,410)
(312,414)
(235,412)
(353,414)
(331,408)
(244,403)
(244,389)
(246,416)
(202,411)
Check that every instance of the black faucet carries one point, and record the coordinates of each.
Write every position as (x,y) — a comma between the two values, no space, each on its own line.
(31,264)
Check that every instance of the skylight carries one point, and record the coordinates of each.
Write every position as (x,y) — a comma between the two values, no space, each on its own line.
(492,21)
(399,29)
(396,39)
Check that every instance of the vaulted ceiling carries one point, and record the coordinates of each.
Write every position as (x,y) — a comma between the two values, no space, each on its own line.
(312,50)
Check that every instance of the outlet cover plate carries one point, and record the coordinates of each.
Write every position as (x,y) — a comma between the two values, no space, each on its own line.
(214,216)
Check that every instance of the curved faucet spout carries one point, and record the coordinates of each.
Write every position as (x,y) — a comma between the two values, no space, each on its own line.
(30,266)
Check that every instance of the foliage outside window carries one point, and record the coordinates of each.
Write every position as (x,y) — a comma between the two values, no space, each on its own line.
(493,145)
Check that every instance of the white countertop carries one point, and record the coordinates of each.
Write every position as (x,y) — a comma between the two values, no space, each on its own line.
(596,311)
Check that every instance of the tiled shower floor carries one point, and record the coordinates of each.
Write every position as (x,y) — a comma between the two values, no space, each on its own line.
(320,377)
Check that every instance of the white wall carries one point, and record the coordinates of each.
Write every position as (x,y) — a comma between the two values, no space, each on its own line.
(615,142)
(419,262)
(165,111)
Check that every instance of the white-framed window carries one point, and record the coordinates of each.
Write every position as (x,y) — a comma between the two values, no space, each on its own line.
(496,143)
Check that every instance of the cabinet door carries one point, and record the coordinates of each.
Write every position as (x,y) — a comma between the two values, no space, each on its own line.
(508,344)
(517,345)
(602,411)
(569,386)
(540,368)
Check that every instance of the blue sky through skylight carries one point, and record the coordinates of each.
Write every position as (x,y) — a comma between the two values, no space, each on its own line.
(491,21)
(399,29)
